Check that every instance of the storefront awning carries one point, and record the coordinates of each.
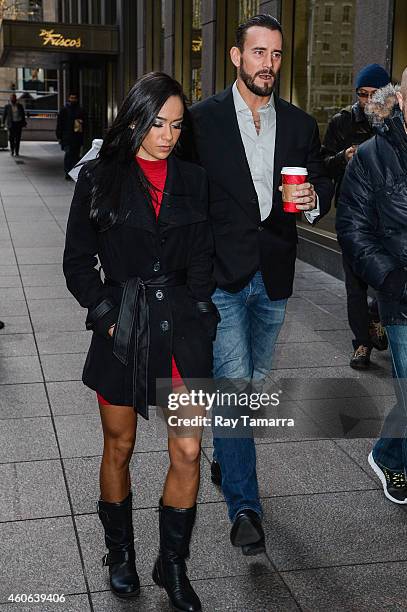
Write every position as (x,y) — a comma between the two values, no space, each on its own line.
(24,43)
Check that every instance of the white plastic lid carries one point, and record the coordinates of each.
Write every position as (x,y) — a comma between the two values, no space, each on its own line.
(292,170)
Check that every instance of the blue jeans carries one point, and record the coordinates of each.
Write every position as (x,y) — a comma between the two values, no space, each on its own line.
(244,347)
(391,449)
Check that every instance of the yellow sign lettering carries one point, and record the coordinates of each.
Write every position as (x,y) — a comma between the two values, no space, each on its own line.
(54,39)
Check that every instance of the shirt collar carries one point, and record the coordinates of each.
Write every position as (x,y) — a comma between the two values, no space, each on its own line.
(240,104)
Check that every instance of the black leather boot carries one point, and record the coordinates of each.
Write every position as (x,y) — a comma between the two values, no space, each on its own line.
(169,572)
(118,524)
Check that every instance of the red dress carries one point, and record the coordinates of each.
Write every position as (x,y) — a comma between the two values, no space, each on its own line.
(156,173)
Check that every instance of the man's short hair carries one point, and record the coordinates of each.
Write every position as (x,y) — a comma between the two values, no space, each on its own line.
(263,21)
(73,93)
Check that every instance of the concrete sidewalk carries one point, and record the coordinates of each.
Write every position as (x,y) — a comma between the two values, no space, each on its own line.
(334,542)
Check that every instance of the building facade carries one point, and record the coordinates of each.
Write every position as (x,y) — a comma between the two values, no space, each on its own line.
(326,42)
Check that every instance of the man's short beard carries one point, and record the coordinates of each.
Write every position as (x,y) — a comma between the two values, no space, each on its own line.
(248,80)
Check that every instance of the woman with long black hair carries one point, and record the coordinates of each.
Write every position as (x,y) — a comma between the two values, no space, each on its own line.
(143,212)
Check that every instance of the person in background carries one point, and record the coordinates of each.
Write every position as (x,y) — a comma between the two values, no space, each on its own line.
(346,131)
(14,120)
(71,125)
(372,231)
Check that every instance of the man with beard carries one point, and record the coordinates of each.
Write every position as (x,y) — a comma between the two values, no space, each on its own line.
(243,137)
(71,125)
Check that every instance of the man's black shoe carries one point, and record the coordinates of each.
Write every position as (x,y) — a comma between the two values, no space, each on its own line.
(216,474)
(360,359)
(394,483)
(1,324)
(378,336)
(248,533)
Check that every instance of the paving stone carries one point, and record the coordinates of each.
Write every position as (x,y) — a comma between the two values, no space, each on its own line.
(17,188)
(34,213)
(20,370)
(313,354)
(27,439)
(63,367)
(236,594)
(42,557)
(32,490)
(359,449)
(7,255)
(293,331)
(12,308)
(319,297)
(26,400)
(47,293)
(72,397)
(294,468)
(62,342)
(11,293)
(39,255)
(14,345)
(148,471)
(60,315)
(42,274)
(79,436)
(8,270)
(362,588)
(31,234)
(211,556)
(314,531)
(10,281)
(16,325)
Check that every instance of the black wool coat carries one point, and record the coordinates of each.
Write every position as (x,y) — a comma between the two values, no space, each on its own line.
(140,246)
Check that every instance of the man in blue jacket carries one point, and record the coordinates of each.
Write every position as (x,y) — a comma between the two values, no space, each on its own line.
(372,231)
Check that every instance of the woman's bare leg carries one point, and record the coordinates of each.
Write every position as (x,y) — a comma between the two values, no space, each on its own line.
(119,432)
(182,481)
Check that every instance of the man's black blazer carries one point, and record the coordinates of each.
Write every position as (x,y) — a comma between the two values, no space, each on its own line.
(243,243)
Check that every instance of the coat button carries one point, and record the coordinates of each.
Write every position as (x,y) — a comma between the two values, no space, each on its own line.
(260,228)
(159,294)
(254,200)
(157,266)
(165,326)
(162,241)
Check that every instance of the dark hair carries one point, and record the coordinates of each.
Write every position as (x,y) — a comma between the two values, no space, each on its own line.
(264,21)
(73,93)
(134,120)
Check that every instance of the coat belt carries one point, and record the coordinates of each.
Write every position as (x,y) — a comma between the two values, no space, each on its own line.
(134,315)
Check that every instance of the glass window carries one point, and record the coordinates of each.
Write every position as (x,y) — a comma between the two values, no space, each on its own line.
(247,9)
(322,81)
(110,12)
(346,14)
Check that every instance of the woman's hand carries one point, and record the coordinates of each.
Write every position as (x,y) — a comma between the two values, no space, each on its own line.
(111,330)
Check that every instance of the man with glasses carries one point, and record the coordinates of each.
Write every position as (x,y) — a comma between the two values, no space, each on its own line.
(345,132)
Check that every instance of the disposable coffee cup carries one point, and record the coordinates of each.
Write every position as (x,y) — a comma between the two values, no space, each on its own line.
(292,177)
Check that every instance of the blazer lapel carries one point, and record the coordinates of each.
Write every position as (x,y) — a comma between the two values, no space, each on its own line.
(240,184)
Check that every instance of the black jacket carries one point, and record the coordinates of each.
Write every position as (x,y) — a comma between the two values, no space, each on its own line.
(244,244)
(372,218)
(348,127)
(140,247)
(8,115)
(65,130)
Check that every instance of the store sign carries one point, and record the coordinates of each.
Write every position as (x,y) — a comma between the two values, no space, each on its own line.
(55,39)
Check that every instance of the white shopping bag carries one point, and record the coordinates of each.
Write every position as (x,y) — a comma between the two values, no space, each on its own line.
(91,154)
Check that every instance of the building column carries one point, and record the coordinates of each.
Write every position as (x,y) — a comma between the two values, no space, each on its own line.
(169,36)
(272,7)
(127,23)
(208,47)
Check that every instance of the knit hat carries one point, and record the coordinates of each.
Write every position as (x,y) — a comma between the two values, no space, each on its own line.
(372,75)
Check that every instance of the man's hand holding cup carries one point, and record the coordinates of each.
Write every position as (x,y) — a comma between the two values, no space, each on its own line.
(298,194)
